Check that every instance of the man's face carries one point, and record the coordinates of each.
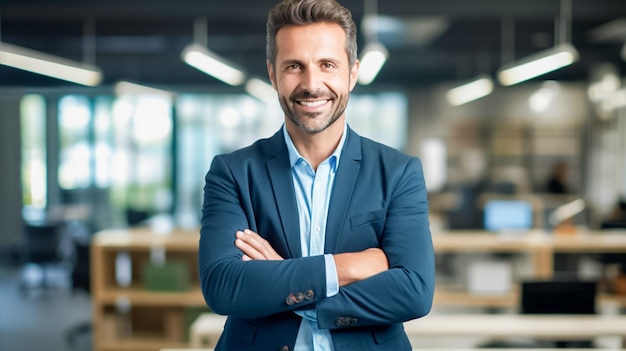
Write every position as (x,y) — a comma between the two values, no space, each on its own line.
(312,75)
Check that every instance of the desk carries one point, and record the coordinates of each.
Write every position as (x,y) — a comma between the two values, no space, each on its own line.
(209,326)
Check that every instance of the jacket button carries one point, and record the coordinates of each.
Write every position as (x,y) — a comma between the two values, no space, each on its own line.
(308,295)
(299,297)
(284,348)
(290,300)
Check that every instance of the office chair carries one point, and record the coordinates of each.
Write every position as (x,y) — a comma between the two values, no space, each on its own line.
(42,250)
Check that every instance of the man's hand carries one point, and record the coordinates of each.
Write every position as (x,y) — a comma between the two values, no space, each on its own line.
(254,247)
(355,266)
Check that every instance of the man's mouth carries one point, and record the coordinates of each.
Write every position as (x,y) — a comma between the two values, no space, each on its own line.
(312,103)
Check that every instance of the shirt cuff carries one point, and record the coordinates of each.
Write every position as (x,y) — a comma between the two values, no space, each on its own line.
(332,281)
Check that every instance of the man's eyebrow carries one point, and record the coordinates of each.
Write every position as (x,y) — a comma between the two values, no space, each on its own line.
(287,62)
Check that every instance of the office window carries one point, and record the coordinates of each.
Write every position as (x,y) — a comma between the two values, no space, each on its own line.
(104,142)
(382,117)
(33,154)
(141,158)
(75,147)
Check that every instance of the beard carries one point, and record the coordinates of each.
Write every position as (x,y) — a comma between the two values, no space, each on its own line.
(313,122)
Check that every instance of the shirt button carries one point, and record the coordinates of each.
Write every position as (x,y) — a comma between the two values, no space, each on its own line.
(317,229)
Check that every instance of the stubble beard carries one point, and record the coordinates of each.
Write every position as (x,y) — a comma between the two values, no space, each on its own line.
(312,123)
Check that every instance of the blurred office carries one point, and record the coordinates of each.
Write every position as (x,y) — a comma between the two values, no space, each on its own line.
(526,179)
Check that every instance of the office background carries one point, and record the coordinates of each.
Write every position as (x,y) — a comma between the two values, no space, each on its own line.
(102,157)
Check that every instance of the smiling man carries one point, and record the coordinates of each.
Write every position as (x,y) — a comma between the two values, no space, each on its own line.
(315,239)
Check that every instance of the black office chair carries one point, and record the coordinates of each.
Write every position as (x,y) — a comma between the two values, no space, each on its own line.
(43,248)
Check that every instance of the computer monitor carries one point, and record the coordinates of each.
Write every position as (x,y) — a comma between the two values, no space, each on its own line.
(558,297)
(508,215)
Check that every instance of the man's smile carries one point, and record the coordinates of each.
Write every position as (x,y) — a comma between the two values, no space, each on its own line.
(315,103)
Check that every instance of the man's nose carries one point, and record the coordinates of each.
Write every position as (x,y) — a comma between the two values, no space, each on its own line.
(311,80)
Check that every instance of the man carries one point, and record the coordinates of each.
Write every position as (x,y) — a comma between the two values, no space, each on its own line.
(316,238)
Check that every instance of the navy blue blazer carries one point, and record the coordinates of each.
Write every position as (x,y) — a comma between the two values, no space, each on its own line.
(379,200)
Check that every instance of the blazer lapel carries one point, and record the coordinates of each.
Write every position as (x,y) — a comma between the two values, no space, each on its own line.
(345,180)
(282,187)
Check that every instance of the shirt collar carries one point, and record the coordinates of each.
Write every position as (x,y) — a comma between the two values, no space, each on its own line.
(294,155)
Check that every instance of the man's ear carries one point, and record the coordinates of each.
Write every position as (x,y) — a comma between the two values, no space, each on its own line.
(271,73)
(354,74)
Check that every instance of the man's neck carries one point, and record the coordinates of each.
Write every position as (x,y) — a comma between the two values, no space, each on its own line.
(316,147)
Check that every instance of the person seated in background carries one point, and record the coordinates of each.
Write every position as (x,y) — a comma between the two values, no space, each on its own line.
(557,183)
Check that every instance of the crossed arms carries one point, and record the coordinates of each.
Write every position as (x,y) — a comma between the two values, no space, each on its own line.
(384,277)
(351,266)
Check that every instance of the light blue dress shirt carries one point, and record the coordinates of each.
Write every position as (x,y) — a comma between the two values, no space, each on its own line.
(313,189)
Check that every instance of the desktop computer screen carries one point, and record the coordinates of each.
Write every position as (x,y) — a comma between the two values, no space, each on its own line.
(508,215)
(558,297)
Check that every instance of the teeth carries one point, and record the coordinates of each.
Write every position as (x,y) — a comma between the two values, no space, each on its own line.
(313,103)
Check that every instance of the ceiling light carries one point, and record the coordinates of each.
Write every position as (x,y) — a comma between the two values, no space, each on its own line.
(49,65)
(372,60)
(261,90)
(538,64)
(470,91)
(210,63)
(129,88)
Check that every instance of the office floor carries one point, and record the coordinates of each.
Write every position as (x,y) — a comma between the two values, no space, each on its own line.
(39,320)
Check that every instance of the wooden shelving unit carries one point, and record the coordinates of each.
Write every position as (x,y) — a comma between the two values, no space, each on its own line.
(540,248)
(156,319)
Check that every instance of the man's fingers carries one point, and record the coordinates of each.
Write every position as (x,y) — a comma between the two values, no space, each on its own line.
(248,250)
(255,247)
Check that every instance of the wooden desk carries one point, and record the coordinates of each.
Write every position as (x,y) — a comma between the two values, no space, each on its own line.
(209,326)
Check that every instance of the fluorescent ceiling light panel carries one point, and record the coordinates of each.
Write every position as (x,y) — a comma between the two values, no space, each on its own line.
(212,64)
(373,59)
(541,63)
(129,88)
(261,90)
(470,91)
(49,65)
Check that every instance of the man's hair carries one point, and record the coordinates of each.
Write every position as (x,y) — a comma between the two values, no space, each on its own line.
(303,12)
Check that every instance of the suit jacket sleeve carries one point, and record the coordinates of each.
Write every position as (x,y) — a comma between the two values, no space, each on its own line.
(405,291)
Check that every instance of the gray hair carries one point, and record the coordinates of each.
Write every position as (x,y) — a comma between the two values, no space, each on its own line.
(303,12)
